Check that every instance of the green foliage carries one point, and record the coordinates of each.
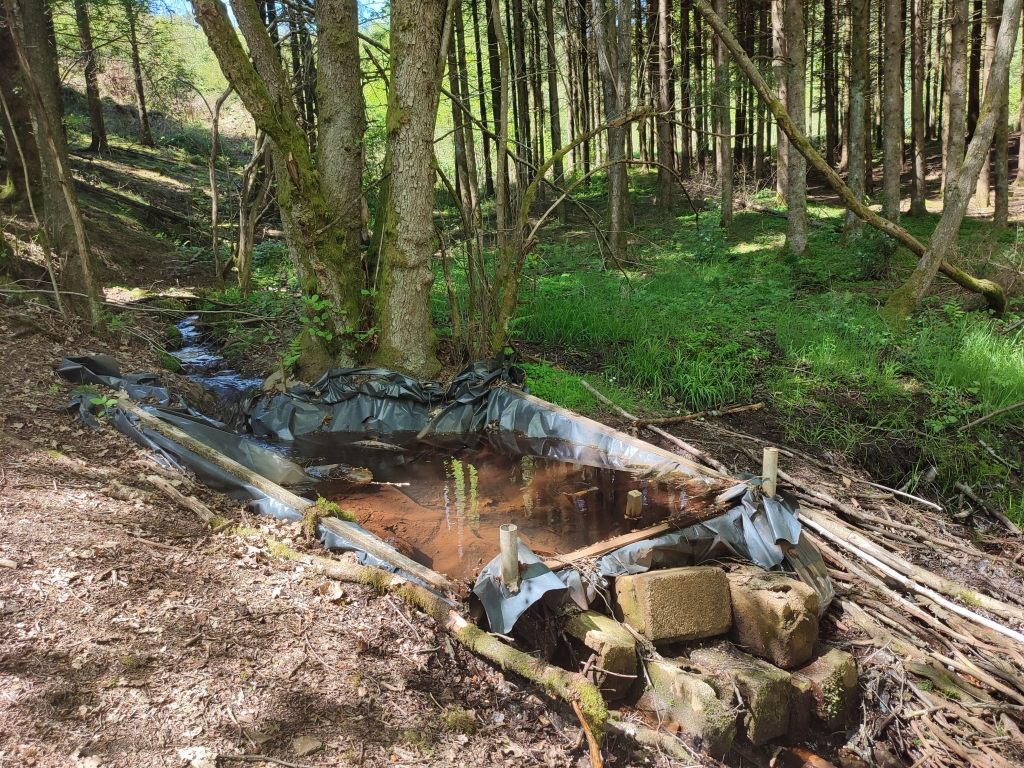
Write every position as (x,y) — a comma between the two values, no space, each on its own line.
(170,362)
(316,317)
(458,720)
(558,386)
(315,513)
(105,404)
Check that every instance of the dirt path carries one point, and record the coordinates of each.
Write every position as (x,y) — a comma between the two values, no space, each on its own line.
(129,633)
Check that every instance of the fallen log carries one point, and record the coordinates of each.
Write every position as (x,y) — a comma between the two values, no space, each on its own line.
(693,416)
(570,686)
(189,502)
(361,539)
(967,491)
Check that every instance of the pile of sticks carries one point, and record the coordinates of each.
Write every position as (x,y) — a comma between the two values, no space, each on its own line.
(941,661)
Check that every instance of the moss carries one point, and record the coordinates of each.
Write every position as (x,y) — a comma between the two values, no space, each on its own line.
(216,521)
(170,362)
(314,513)
(283,551)
(173,304)
(173,337)
(971,598)
(457,720)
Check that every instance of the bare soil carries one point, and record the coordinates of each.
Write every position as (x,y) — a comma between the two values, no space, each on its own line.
(129,632)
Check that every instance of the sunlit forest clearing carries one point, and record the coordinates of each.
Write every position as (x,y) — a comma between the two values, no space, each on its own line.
(756,224)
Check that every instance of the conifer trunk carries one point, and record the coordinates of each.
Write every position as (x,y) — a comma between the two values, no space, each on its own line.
(892,109)
(98,142)
(857,121)
(796,196)
(918,128)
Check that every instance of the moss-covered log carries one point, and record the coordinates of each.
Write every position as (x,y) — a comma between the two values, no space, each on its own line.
(914,289)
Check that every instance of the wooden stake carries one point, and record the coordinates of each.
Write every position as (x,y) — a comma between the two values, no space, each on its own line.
(770,471)
(634,505)
(508,536)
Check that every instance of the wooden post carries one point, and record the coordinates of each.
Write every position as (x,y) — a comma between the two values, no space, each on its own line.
(509,538)
(770,471)
(634,505)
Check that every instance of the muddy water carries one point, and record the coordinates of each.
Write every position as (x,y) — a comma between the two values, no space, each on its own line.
(447,517)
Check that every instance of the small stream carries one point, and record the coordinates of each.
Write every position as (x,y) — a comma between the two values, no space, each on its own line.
(202,363)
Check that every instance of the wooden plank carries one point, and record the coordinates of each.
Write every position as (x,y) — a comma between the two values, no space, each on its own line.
(361,539)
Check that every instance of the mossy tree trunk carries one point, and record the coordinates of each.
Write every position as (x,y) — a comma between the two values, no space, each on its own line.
(320,207)
(419,33)
(14,189)
(31,30)
(955,126)
(796,192)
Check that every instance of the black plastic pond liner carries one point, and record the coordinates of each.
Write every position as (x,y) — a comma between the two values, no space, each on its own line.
(481,403)
(760,529)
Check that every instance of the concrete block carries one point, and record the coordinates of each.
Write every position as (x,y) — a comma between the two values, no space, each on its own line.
(774,616)
(675,604)
(763,688)
(832,676)
(801,710)
(684,700)
(615,649)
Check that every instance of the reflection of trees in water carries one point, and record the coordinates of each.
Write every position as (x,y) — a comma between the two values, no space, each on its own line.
(461,482)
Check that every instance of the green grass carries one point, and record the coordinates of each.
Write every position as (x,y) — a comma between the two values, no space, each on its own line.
(699,320)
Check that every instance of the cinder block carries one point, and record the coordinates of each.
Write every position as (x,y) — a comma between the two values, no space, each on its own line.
(774,616)
(683,700)
(675,604)
(764,689)
(615,649)
(832,675)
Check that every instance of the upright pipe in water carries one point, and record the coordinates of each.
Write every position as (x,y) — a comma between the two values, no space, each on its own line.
(509,538)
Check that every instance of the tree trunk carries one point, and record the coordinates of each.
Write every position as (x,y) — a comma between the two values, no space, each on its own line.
(830,82)
(685,90)
(406,338)
(482,97)
(720,109)
(131,11)
(1001,213)
(1019,181)
(469,140)
(521,95)
(892,108)
(762,53)
(13,89)
(218,269)
(612,38)
(30,25)
(857,121)
(666,147)
(554,106)
(92,80)
(917,107)
(983,194)
(796,194)
(974,75)
(954,125)
(318,210)
(780,63)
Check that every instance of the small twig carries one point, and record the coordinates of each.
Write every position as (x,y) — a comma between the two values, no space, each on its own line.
(700,415)
(264,758)
(992,415)
(595,748)
(970,494)
(402,617)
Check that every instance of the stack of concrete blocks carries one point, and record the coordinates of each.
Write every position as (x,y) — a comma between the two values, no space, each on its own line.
(763,677)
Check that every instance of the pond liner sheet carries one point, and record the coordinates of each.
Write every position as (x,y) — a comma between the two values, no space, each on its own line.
(482,402)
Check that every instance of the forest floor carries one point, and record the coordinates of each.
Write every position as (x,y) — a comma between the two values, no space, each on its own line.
(129,632)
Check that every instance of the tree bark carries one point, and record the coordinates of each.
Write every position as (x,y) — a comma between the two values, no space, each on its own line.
(983,194)
(218,269)
(685,91)
(92,81)
(318,217)
(965,182)
(720,103)
(856,137)
(796,196)
(407,340)
(892,108)
(918,127)
(954,125)
(831,83)
(482,98)
(467,129)
(780,63)
(1001,213)
(131,11)
(30,25)
(12,87)
(611,35)
(554,106)
(974,74)
(666,147)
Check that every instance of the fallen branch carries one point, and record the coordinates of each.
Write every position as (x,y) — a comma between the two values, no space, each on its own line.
(595,748)
(263,759)
(970,494)
(695,452)
(189,502)
(700,415)
(912,585)
(992,415)
(650,738)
